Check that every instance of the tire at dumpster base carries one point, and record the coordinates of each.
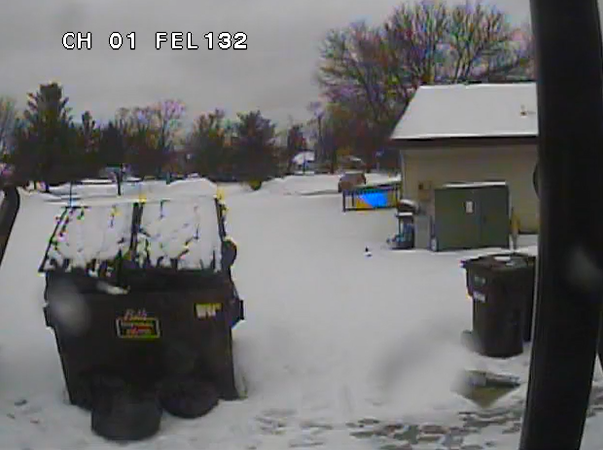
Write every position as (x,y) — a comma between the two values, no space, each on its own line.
(126,413)
(188,398)
(95,383)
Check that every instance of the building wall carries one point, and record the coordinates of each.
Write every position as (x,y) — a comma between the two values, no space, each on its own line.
(511,163)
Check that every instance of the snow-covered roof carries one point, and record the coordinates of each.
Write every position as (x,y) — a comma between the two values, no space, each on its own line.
(476,110)
(303,158)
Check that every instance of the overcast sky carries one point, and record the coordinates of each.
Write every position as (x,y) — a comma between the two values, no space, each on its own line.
(275,73)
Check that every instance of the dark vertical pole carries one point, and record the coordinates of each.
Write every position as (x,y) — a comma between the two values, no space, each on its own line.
(8,214)
(321,158)
(221,219)
(600,343)
(118,179)
(570,109)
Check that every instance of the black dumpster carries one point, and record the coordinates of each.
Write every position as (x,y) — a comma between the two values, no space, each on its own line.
(129,305)
(502,289)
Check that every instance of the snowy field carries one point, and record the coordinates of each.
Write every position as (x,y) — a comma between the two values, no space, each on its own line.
(339,350)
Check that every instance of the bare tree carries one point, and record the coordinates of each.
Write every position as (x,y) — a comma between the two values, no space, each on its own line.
(373,72)
(167,118)
(481,41)
(413,47)
(151,133)
(315,130)
(350,69)
(296,142)
(8,117)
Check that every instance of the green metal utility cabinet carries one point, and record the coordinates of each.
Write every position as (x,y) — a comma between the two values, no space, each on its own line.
(471,215)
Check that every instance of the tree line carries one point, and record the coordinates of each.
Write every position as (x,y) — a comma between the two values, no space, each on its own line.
(44,142)
(367,76)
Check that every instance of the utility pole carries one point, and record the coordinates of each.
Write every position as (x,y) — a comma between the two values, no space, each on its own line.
(321,156)
(570,254)
(317,111)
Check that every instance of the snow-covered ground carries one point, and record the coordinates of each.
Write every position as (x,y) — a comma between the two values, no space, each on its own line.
(339,350)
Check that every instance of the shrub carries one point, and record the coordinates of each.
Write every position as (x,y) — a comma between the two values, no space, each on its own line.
(255,184)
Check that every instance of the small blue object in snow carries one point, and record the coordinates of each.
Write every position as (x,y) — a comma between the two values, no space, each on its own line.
(375,199)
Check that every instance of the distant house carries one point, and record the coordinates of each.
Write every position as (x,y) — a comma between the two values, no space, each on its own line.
(111,172)
(471,133)
(304,161)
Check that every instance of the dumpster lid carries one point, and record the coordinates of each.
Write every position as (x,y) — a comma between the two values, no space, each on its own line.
(148,234)
(501,261)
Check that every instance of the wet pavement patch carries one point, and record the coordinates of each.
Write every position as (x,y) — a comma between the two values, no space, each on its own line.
(393,435)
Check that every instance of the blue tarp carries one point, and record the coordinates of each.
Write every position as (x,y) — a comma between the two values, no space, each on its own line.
(375,199)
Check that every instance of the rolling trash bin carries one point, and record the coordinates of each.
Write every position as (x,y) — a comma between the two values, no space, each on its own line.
(142,302)
(501,287)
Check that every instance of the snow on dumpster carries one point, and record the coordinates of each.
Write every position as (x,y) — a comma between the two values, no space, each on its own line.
(183,231)
(179,234)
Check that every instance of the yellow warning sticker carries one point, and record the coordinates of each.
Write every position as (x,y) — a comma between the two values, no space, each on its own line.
(207,310)
(137,325)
